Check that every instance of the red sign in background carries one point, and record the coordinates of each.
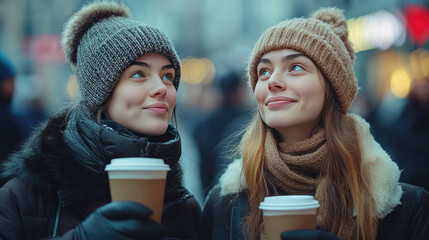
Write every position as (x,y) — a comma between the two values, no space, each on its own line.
(417,19)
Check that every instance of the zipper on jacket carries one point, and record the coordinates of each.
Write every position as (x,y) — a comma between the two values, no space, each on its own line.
(144,150)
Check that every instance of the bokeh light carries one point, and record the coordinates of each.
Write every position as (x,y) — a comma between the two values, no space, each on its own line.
(197,70)
(378,30)
(400,83)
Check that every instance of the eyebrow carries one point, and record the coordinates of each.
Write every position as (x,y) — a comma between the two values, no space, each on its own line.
(264,60)
(148,66)
(284,59)
(292,56)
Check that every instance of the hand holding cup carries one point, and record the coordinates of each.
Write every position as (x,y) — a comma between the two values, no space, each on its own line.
(285,213)
(140,180)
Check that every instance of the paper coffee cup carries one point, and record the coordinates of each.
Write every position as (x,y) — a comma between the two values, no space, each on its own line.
(284,213)
(139,180)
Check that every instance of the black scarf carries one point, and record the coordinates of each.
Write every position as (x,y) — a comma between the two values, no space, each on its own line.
(94,145)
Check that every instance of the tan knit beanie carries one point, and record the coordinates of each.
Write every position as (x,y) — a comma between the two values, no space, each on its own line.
(324,39)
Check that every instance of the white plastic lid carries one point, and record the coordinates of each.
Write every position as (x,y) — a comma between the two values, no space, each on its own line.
(289,202)
(137,163)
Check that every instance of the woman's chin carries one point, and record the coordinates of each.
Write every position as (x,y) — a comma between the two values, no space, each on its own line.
(155,130)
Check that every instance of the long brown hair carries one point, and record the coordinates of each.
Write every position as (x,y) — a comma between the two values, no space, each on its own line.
(343,181)
(252,153)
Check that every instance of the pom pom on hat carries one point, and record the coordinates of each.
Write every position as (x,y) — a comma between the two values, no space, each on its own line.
(331,16)
(324,39)
(336,19)
(83,20)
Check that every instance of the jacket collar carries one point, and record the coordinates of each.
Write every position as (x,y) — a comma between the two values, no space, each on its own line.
(95,144)
(384,173)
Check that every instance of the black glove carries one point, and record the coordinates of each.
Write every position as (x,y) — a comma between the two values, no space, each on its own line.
(310,234)
(120,221)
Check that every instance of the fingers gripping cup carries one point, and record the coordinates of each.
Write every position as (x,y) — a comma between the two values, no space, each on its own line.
(284,213)
(139,180)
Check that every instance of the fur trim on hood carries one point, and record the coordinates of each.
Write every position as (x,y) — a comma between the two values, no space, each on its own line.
(47,163)
(383,171)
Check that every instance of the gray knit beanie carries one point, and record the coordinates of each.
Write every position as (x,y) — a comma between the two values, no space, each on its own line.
(100,42)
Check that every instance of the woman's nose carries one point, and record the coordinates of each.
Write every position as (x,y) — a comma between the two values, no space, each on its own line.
(276,83)
(159,88)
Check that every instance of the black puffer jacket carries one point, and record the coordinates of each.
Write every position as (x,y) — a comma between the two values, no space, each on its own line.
(62,164)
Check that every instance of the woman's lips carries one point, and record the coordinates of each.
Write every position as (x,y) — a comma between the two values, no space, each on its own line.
(157,108)
(275,102)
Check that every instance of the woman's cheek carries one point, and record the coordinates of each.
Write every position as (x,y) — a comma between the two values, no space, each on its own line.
(172,98)
(259,94)
(134,96)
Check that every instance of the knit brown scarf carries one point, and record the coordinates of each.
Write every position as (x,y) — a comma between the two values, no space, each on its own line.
(294,168)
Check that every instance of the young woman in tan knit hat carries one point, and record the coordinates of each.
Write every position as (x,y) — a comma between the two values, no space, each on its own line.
(57,186)
(303,141)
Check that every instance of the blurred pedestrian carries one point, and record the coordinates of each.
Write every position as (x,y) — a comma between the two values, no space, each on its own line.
(11,134)
(209,132)
(407,135)
(303,141)
(128,74)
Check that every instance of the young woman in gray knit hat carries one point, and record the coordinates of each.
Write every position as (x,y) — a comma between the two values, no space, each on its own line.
(56,186)
(303,141)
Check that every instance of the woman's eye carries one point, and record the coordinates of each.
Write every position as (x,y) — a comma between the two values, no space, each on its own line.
(264,72)
(296,68)
(137,75)
(168,77)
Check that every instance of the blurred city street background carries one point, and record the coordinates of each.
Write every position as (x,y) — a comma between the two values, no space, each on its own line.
(213,39)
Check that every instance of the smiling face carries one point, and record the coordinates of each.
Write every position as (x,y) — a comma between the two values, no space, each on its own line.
(290,92)
(144,98)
